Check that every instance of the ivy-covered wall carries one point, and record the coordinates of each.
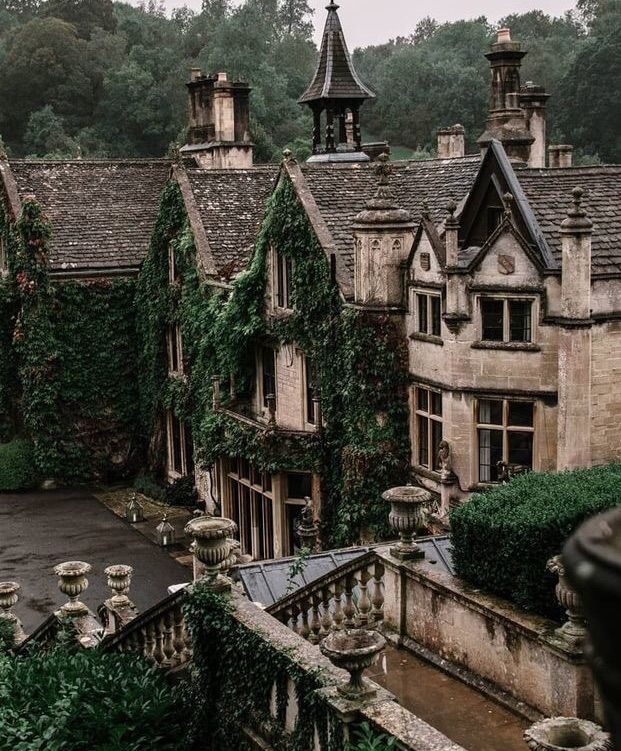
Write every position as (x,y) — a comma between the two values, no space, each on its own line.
(359,358)
(68,378)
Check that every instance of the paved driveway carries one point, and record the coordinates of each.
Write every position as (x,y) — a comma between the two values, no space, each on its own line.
(38,530)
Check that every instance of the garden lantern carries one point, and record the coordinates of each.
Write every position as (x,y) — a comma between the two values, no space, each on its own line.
(134,511)
(165,534)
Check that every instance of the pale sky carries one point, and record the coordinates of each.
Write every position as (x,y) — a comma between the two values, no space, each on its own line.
(375,21)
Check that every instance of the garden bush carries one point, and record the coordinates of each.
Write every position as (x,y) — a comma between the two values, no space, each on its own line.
(181,492)
(503,538)
(73,700)
(148,486)
(17,466)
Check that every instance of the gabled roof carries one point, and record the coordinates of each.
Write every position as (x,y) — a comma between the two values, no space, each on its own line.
(335,77)
(341,191)
(549,194)
(102,212)
(230,205)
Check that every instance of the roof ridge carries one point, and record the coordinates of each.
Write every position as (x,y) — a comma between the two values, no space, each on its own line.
(59,162)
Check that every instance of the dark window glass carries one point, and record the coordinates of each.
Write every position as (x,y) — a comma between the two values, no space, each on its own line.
(492,316)
(520,324)
(244,469)
(494,217)
(423,440)
(521,413)
(299,485)
(280,281)
(490,453)
(436,437)
(422,399)
(436,315)
(177,457)
(245,520)
(310,392)
(521,449)
(293,517)
(269,373)
(256,476)
(490,412)
(267,482)
(436,403)
(423,323)
(234,487)
(288,282)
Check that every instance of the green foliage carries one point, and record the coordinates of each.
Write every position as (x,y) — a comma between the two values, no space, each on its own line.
(71,700)
(502,539)
(17,466)
(225,700)
(366,739)
(181,492)
(45,135)
(7,637)
(147,485)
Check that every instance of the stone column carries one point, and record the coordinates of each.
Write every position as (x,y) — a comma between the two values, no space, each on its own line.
(574,347)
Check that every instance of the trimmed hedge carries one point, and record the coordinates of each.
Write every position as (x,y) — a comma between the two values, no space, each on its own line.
(17,466)
(503,538)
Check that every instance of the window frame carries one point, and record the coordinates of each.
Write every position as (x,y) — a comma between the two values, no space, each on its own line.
(184,458)
(173,337)
(506,428)
(427,298)
(283,281)
(265,393)
(430,419)
(310,415)
(257,539)
(507,300)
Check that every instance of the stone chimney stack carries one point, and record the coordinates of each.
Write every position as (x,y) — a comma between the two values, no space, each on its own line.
(533,100)
(574,348)
(383,236)
(451,142)
(219,121)
(561,156)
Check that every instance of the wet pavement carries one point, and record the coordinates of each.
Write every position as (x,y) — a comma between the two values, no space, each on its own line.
(463,714)
(38,530)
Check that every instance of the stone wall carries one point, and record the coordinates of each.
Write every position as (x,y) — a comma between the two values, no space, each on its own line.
(606,392)
(516,652)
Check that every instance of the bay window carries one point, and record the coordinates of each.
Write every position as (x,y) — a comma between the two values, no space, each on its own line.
(506,320)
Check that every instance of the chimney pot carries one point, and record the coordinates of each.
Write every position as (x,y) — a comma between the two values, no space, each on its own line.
(222,77)
(195,74)
(560,156)
(451,142)
(503,36)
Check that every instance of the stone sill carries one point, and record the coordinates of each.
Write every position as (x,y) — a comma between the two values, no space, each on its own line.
(507,346)
(431,338)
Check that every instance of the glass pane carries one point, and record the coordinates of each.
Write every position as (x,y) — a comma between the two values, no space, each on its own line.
(289,281)
(521,413)
(490,412)
(492,317)
(520,320)
(234,488)
(292,514)
(436,403)
(521,449)
(422,399)
(255,476)
(176,445)
(436,437)
(268,525)
(280,281)
(269,373)
(244,469)
(299,485)
(245,520)
(490,453)
(267,482)
(436,315)
(422,313)
(423,441)
(310,393)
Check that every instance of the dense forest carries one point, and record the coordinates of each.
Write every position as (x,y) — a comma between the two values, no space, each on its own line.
(96,78)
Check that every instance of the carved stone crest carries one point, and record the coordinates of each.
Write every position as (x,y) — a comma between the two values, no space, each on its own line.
(506,264)
(425,261)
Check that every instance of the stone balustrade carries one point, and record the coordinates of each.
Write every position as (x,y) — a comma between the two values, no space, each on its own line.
(350,597)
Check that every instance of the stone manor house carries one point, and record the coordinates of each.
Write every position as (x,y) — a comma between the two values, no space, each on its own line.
(498,273)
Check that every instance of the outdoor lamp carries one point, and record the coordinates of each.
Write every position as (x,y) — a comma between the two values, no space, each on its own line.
(134,511)
(165,534)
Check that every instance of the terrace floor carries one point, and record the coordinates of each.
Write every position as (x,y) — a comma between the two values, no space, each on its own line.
(463,714)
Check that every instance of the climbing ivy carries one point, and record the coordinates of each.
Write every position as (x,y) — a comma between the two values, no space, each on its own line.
(225,701)
(359,359)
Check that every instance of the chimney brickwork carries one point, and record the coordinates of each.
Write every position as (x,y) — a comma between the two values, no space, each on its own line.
(533,101)
(560,156)
(451,142)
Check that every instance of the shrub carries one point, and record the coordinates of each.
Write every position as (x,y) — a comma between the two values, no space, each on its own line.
(17,466)
(71,700)
(502,539)
(366,739)
(181,492)
(147,485)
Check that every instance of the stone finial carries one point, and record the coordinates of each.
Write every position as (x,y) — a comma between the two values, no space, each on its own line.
(383,207)
(577,221)
(425,210)
(451,220)
(288,155)
(72,582)
(212,546)
(574,630)
(353,650)
(8,599)
(409,510)
(383,168)
(119,581)
(508,201)
(308,532)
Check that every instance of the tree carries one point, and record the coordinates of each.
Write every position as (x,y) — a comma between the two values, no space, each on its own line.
(85,15)
(46,137)
(295,17)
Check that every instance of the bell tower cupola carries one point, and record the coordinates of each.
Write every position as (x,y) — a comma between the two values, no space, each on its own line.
(335,96)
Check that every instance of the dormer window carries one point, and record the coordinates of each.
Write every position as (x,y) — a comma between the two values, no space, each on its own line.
(283,281)
(494,218)
(428,314)
(175,350)
(506,320)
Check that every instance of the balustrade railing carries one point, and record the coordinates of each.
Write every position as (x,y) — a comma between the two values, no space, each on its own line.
(351,596)
(159,634)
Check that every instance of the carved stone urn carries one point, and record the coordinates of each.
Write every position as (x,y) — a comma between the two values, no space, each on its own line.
(212,546)
(409,510)
(564,733)
(9,598)
(574,630)
(353,650)
(72,582)
(119,581)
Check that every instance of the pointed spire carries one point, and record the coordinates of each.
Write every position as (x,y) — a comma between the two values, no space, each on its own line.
(335,77)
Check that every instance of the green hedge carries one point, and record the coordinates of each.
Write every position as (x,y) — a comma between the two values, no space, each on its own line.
(17,466)
(502,539)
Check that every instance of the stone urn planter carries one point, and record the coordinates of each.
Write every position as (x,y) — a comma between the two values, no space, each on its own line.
(119,581)
(9,598)
(353,650)
(212,546)
(574,630)
(72,582)
(564,733)
(409,510)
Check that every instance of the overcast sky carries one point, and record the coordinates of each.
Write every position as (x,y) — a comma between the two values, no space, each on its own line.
(375,21)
